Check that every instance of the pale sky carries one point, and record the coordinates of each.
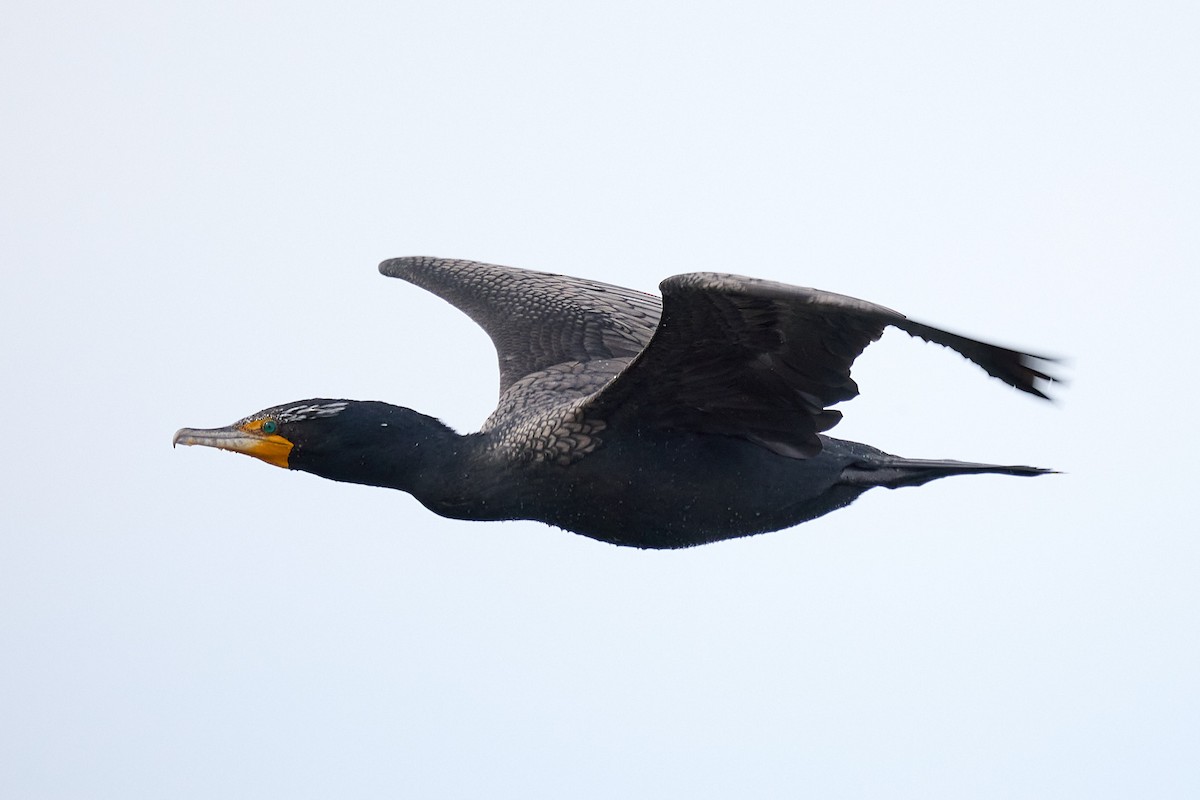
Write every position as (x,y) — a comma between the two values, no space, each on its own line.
(194,201)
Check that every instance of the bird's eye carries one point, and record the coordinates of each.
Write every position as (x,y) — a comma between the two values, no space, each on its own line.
(270,426)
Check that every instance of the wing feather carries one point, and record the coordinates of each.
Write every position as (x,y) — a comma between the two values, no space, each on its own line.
(764,361)
(720,354)
(537,319)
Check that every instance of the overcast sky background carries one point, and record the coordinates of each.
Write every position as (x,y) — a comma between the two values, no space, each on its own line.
(193,201)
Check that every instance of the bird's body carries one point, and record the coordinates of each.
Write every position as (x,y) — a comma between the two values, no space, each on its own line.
(626,420)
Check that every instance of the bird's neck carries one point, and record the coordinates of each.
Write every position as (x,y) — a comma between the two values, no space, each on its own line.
(406,450)
(451,474)
(422,457)
(393,447)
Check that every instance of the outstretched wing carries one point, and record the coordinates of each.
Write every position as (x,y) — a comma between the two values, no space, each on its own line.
(537,320)
(763,361)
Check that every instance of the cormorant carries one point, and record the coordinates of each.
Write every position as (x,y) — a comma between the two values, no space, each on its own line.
(635,421)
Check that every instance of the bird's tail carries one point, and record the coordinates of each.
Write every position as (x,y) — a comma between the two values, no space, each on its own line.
(893,472)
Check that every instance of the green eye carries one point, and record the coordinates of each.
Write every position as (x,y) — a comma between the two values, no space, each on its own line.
(270,426)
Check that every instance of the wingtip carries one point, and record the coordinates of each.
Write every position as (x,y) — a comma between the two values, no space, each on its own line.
(405,266)
(1029,372)
(390,266)
(1041,379)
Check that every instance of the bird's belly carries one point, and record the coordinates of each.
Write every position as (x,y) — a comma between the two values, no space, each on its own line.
(686,490)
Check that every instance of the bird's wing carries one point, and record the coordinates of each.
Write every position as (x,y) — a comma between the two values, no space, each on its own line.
(537,319)
(763,361)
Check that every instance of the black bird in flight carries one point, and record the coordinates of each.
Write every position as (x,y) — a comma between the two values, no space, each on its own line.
(632,420)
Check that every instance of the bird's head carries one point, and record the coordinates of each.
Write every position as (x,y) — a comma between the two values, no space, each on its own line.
(346,440)
(275,435)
